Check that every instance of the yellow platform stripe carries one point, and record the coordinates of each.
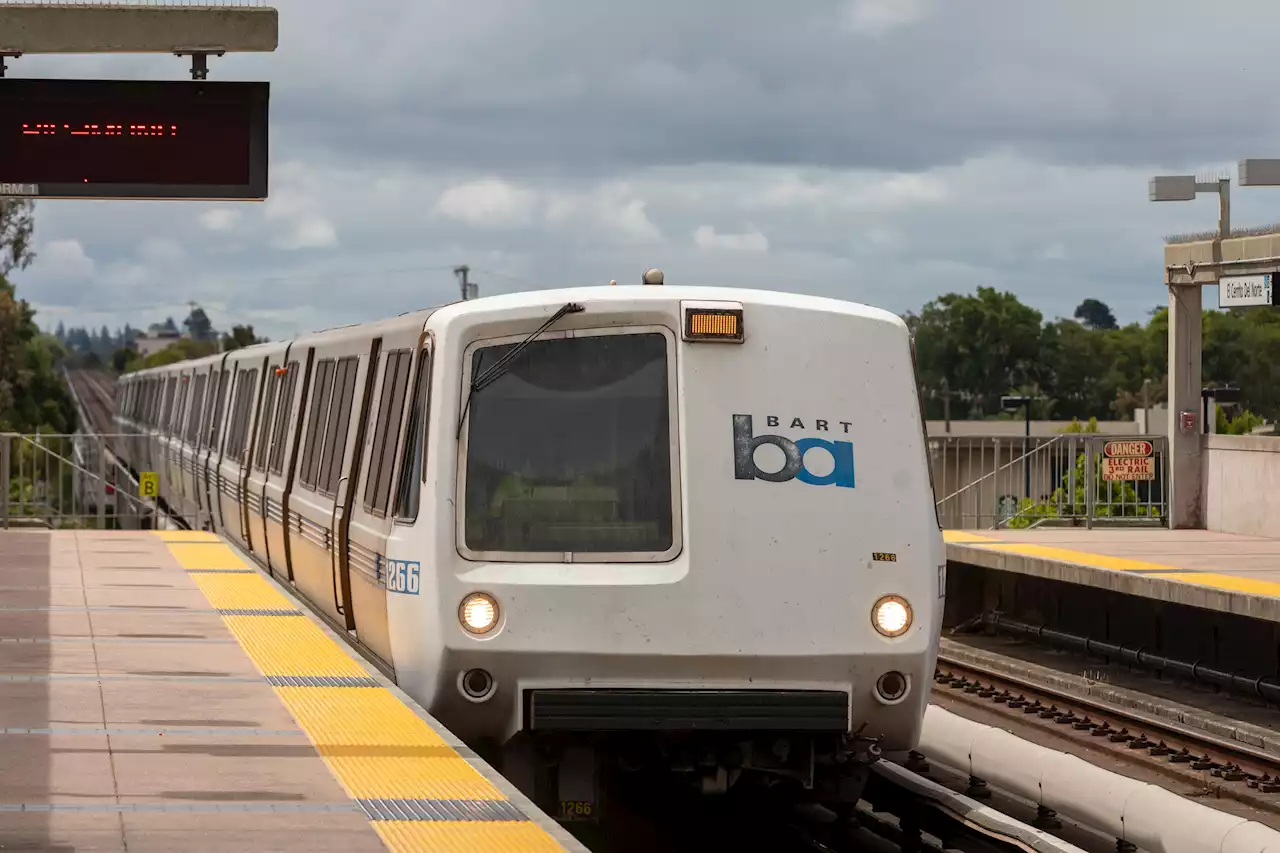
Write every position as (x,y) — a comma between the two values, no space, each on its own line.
(290,646)
(374,744)
(1227,583)
(205,555)
(1083,558)
(1164,571)
(186,536)
(379,748)
(963,536)
(464,837)
(226,591)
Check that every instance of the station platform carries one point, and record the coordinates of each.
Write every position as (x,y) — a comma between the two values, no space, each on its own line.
(158,693)
(1197,568)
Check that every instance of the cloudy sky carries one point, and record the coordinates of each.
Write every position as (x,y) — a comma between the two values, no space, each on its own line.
(883,151)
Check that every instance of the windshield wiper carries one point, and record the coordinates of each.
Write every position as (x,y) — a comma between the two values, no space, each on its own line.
(501,366)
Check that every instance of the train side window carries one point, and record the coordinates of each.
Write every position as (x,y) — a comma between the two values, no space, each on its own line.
(395,381)
(232,448)
(180,409)
(247,415)
(248,385)
(319,409)
(233,444)
(335,439)
(166,405)
(284,408)
(197,409)
(219,410)
(412,465)
(266,418)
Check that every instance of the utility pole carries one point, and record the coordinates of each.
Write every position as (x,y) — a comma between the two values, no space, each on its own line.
(946,394)
(470,290)
(1146,406)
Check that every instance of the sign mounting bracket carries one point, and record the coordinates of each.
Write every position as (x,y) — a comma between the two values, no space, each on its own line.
(199,59)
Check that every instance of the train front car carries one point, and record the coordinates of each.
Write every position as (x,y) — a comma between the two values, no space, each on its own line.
(692,525)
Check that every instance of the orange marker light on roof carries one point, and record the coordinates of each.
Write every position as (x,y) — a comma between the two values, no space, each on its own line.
(713,323)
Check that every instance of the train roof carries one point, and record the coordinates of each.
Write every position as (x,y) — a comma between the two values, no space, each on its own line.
(499,303)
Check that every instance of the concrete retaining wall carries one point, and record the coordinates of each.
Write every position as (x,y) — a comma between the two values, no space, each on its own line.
(1241,483)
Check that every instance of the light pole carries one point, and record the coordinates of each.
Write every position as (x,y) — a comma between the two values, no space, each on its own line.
(1010,403)
(1186,334)
(1186,187)
(1185,343)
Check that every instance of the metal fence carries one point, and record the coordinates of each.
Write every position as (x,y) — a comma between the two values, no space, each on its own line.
(68,481)
(1063,480)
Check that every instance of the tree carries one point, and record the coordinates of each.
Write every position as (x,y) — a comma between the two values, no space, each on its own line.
(981,345)
(1095,315)
(121,358)
(32,394)
(198,325)
(17,225)
(241,336)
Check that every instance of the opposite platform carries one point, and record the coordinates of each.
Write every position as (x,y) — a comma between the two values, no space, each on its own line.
(157,693)
(1198,568)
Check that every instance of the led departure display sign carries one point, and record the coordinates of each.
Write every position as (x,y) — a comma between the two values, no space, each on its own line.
(133,139)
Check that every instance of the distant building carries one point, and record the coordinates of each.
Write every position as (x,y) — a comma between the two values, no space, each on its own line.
(156,339)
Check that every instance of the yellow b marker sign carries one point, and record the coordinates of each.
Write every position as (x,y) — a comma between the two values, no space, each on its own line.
(149,484)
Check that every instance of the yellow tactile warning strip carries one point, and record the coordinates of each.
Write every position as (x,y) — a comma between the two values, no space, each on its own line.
(963,537)
(417,791)
(289,646)
(1105,562)
(453,837)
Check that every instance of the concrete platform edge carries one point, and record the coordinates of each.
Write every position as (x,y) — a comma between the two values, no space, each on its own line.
(1142,586)
(517,798)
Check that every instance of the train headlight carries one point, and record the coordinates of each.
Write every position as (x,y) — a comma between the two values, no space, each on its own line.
(478,613)
(891,615)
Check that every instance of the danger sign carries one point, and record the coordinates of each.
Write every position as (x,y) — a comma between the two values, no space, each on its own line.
(1120,449)
(1129,467)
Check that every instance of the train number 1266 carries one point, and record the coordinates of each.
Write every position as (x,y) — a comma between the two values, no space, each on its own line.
(403,576)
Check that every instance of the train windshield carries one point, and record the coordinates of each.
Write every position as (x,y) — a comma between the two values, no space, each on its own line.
(570,449)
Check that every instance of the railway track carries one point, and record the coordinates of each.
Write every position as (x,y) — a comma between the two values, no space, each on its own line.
(97,392)
(1212,764)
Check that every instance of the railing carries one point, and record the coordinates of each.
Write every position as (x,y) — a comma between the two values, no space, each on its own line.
(991,482)
(68,481)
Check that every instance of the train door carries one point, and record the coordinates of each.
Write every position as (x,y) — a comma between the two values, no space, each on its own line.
(284,460)
(254,379)
(210,443)
(321,487)
(235,449)
(270,482)
(255,478)
(162,438)
(255,461)
(172,474)
(370,520)
(191,448)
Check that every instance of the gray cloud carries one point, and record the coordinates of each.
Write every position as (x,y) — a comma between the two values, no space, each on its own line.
(882,150)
